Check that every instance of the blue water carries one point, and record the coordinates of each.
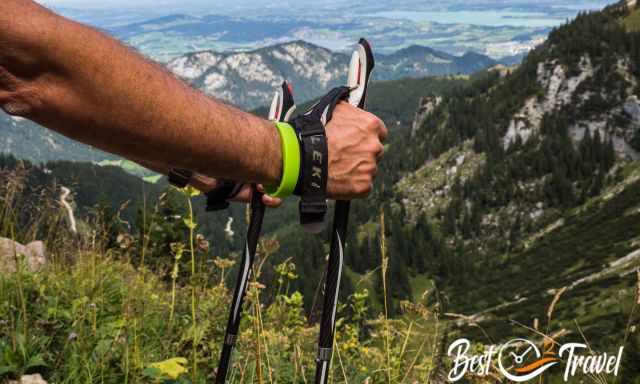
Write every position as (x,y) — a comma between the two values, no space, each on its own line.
(493,18)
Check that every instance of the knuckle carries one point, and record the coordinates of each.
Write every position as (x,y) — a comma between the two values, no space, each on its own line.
(379,149)
(19,102)
(384,131)
(374,121)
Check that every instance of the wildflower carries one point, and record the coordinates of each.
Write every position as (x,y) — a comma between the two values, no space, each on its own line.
(177,249)
(257,285)
(202,244)
(172,368)
(125,241)
(269,246)
(223,263)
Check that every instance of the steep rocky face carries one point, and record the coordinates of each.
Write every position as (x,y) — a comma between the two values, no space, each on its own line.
(248,79)
(563,89)
(427,105)
(557,91)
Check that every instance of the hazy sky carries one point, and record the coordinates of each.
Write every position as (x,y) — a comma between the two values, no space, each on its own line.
(223,3)
(106,12)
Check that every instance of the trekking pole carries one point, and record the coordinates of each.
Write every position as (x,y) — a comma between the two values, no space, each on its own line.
(281,109)
(362,63)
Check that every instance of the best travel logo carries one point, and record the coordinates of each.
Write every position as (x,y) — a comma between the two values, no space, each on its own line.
(520,360)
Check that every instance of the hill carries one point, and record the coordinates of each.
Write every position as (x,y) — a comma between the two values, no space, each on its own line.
(519,184)
(29,141)
(247,79)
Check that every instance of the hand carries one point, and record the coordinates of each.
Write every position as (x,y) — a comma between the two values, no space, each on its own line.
(245,196)
(354,138)
(205,184)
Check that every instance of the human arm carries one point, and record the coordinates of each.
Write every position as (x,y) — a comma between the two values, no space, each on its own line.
(77,81)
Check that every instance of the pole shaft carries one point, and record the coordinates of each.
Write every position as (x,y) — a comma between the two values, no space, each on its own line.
(233,324)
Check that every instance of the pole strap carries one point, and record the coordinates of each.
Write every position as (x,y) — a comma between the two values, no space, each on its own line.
(217,198)
(314,168)
(179,178)
(312,184)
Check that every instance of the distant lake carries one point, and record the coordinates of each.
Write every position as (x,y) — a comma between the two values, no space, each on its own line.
(486,18)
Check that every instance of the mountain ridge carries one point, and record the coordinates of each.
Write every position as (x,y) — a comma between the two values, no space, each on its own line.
(247,78)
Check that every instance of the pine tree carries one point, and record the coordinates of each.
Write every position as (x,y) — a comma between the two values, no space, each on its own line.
(466,225)
(635,141)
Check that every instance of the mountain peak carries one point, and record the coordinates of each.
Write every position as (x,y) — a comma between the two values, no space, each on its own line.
(247,78)
(415,48)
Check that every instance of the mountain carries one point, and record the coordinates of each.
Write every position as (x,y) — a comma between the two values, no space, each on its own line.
(247,79)
(519,189)
(418,61)
(27,140)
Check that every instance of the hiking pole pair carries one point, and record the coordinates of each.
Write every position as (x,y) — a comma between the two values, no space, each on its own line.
(282,108)
(312,189)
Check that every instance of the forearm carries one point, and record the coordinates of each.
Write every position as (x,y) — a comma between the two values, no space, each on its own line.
(87,86)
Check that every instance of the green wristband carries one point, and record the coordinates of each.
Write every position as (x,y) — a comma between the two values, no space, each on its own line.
(290,162)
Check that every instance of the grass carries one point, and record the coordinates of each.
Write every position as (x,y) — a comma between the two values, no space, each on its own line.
(98,313)
(420,285)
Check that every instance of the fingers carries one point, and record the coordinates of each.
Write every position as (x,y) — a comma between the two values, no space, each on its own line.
(244,196)
(356,146)
(271,202)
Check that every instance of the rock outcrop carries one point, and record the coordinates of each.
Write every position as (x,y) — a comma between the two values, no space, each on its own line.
(30,379)
(427,105)
(34,254)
